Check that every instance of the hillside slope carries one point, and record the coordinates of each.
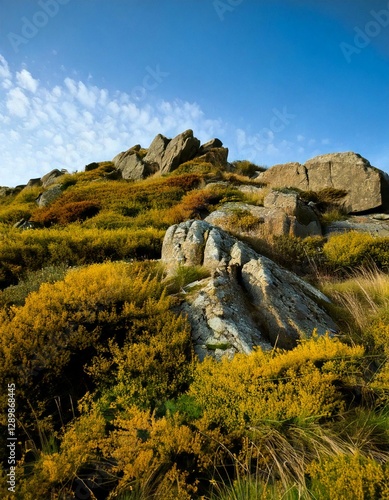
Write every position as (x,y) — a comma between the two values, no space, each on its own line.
(178,328)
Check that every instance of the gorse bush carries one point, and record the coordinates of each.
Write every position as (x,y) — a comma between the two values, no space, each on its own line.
(17,207)
(264,423)
(338,477)
(353,249)
(14,213)
(76,317)
(198,167)
(17,294)
(295,385)
(73,246)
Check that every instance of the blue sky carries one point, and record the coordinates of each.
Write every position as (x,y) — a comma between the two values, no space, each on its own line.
(275,80)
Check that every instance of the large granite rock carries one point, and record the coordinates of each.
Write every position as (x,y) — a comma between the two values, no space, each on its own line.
(367,187)
(218,326)
(217,156)
(374,224)
(34,183)
(49,196)
(51,177)
(156,150)
(282,214)
(182,148)
(132,166)
(208,146)
(247,292)
(166,155)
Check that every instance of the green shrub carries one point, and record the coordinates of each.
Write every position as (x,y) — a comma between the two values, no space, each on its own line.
(196,166)
(247,168)
(117,312)
(354,249)
(72,245)
(17,294)
(14,213)
(343,477)
(184,275)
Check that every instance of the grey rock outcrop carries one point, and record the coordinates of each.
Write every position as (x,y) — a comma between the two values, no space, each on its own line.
(247,292)
(302,219)
(157,149)
(367,187)
(208,146)
(282,214)
(374,224)
(49,196)
(166,155)
(34,182)
(132,166)
(215,314)
(51,177)
(25,224)
(217,156)
(182,148)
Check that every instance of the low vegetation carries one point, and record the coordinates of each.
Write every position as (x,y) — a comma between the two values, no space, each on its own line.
(111,400)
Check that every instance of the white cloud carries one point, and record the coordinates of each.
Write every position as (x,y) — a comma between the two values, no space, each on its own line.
(26,81)
(5,73)
(17,103)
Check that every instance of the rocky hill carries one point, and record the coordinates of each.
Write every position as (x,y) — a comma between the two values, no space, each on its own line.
(169,312)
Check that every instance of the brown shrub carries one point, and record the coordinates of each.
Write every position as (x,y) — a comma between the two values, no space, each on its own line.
(67,213)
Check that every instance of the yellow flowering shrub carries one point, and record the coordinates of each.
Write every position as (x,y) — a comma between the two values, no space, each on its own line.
(72,245)
(344,477)
(353,249)
(71,321)
(154,455)
(263,387)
